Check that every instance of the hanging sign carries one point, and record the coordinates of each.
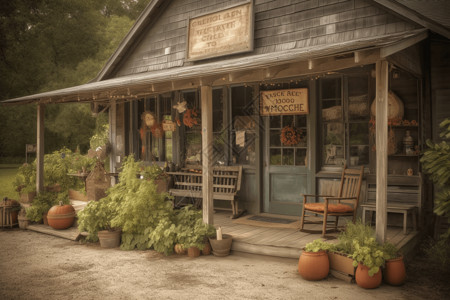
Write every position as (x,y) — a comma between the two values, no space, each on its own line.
(284,102)
(168,125)
(221,33)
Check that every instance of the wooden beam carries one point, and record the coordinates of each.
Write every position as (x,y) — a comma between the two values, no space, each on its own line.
(40,148)
(207,151)
(112,138)
(381,133)
(403,44)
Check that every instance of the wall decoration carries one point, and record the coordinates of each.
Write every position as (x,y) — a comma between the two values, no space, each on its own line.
(181,106)
(168,125)
(190,118)
(148,119)
(290,136)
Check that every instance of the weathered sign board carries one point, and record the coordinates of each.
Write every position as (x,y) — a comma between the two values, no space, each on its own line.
(284,102)
(221,33)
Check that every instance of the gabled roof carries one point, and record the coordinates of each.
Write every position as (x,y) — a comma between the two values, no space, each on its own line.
(432,14)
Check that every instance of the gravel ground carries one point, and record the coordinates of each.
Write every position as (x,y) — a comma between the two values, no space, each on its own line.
(38,266)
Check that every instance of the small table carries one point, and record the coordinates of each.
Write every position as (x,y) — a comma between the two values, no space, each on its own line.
(404,209)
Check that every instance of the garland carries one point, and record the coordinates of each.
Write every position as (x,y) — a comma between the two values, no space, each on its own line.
(190,118)
(290,136)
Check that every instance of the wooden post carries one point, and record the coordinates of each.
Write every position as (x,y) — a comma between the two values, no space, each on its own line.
(381,133)
(40,148)
(112,138)
(207,151)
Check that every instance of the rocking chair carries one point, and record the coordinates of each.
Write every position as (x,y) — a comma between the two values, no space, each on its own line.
(344,204)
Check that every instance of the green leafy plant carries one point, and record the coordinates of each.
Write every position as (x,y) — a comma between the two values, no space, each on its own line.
(369,253)
(318,245)
(25,180)
(97,215)
(436,163)
(43,202)
(353,232)
(152,172)
(390,251)
(191,231)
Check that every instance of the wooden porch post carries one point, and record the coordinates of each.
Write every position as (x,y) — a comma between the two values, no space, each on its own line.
(40,148)
(207,151)
(381,133)
(112,138)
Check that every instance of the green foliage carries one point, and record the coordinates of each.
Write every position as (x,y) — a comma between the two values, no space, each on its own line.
(191,231)
(100,137)
(25,179)
(43,202)
(438,253)
(152,172)
(97,215)
(318,245)
(390,251)
(369,253)
(353,232)
(436,163)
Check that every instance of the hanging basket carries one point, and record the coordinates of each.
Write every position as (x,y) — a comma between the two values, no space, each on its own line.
(290,136)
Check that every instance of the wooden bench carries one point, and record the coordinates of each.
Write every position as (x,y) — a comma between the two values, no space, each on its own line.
(403,197)
(187,183)
(404,209)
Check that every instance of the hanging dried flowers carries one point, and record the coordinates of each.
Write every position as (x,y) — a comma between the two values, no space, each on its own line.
(190,118)
(157,130)
(290,136)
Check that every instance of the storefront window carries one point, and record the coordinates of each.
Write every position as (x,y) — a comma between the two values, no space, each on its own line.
(191,122)
(344,117)
(283,150)
(243,125)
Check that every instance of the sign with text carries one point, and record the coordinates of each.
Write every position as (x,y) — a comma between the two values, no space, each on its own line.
(221,33)
(284,102)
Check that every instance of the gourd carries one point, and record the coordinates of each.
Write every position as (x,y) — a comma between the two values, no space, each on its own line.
(61,216)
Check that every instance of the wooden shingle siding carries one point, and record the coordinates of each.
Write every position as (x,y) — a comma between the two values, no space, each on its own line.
(279,25)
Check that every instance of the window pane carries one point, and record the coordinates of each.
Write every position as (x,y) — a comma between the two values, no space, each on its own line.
(288,157)
(300,157)
(275,122)
(275,157)
(275,138)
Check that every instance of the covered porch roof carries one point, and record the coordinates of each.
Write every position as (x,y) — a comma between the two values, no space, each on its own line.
(254,68)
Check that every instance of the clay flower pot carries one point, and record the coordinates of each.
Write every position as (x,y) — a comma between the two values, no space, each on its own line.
(314,265)
(364,280)
(179,249)
(193,252)
(109,238)
(394,271)
(206,249)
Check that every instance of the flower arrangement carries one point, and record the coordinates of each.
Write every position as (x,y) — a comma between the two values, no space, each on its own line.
(190,118)
(157,130)
(290,136)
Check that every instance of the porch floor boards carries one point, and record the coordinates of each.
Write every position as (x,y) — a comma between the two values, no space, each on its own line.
(287,242)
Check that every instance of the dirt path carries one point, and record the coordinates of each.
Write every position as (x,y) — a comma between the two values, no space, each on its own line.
(38,266)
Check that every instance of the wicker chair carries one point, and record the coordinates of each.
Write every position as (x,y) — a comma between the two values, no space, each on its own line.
(343,204)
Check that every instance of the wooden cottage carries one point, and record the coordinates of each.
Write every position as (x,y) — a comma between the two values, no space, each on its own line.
(291,90)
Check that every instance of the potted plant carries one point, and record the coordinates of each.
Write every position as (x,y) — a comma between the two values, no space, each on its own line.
(221,243)
(41,205)
(96,219)
(313,263)
(158,176)
(192,233)
(368,257)
(25,182)
(394,272)
(341,262)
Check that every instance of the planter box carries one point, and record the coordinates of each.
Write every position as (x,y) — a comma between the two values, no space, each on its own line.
(341,266)
(76,195)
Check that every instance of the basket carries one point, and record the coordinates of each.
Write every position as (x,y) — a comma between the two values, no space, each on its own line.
(331,114)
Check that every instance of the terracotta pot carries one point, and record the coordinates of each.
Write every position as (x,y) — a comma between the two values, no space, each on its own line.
(394,271)
(45,218)
(364,280)
(193,252)
(314,265)
(27,197)
(109,239)
(61,216)
(179,249)
(206,249)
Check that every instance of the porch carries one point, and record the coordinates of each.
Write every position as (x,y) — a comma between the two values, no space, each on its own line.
(273,240)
